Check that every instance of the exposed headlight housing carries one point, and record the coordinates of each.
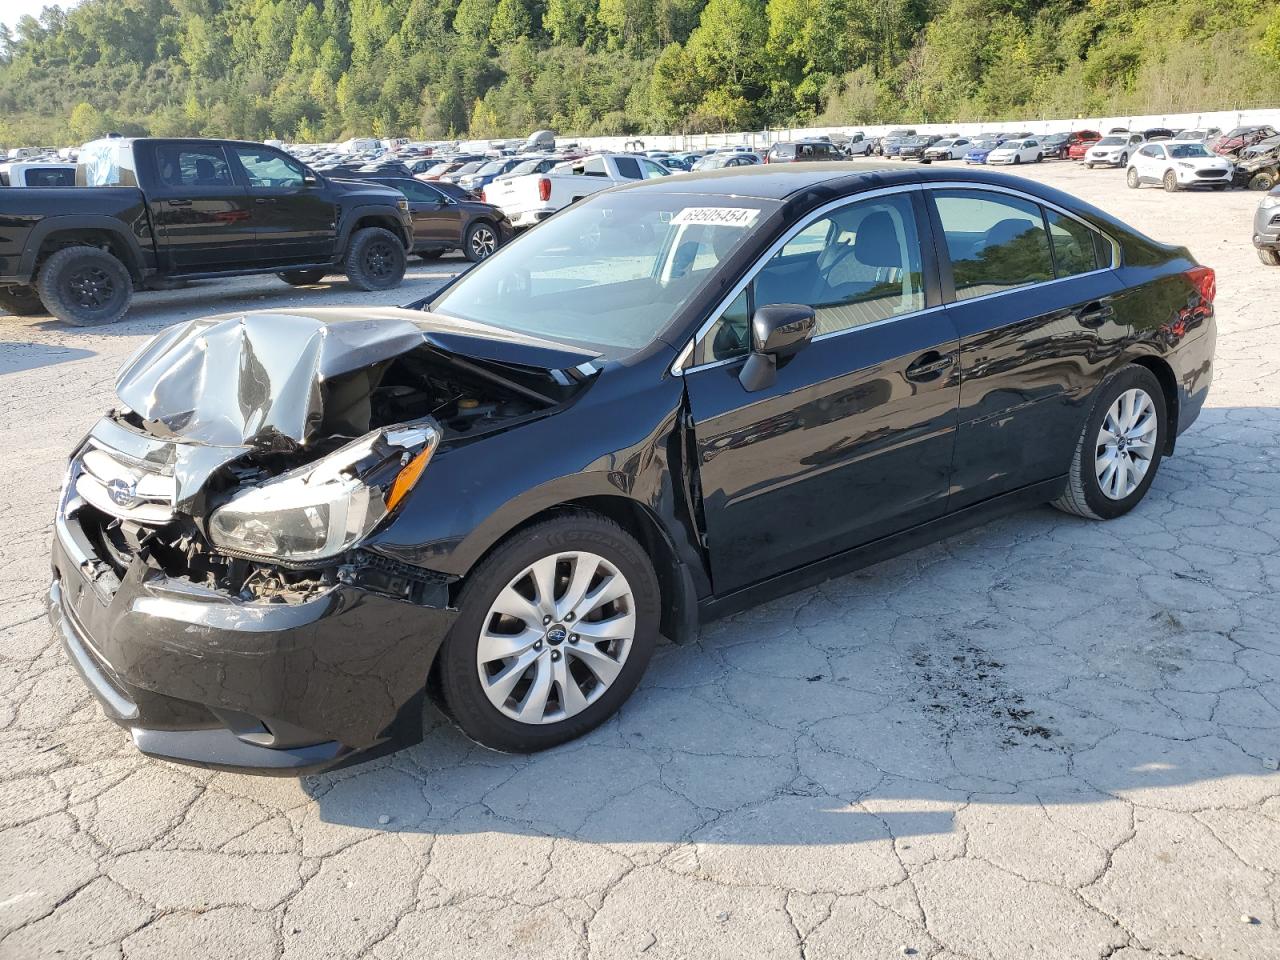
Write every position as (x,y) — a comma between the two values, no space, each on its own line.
(1269,201)
(322,510)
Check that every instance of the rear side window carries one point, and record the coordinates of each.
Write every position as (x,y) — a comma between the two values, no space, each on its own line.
(994,242)
(628,167)
(189,165)
(1074,247)
(51,177)
(594,167)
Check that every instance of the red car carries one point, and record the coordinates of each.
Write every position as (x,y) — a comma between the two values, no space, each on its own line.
(1078,141)
(1233,141)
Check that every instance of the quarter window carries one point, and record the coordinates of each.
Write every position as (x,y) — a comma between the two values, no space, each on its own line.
(994,243)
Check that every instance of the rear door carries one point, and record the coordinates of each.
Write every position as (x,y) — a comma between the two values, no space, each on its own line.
(294,211)
(203,215)
(854,440)
(1030,290)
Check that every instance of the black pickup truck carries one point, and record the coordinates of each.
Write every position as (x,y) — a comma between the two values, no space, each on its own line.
(147,212)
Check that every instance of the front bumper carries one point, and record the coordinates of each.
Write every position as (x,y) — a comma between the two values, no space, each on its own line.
(1108,159)
(200,677)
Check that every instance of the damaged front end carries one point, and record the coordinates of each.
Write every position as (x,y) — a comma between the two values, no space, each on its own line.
(209,579)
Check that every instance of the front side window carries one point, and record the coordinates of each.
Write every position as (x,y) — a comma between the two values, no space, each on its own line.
(652,170)
(266,168)
(193,166)
(858,265)
(994,242)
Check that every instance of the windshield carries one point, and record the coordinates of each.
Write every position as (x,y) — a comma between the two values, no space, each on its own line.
(529,166)
(610,272)
(470,167)
(983,145)
(1239,131)
(1181,151)
(1111,141)
(494,166)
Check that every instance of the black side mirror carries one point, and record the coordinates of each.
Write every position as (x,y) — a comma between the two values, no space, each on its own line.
(778,332)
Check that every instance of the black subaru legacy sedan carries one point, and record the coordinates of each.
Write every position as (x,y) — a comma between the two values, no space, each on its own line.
(671,400)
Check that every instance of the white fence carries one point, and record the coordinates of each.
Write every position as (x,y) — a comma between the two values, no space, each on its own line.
(1224,119)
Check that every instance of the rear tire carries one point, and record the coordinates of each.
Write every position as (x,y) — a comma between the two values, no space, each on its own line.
(301,278)
(21,302)
(1269,256)
(475,706)
(1084,495)
(1131,178)
(85,286)
(375,259)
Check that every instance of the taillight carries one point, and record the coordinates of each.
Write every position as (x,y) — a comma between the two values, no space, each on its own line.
(1205,281)
(544,189)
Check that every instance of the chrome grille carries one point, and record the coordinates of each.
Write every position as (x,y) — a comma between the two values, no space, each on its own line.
(124,487)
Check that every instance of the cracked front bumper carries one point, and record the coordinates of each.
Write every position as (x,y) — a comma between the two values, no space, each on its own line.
(200,677)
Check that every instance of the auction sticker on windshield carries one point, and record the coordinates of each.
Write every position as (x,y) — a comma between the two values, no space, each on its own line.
(718,216)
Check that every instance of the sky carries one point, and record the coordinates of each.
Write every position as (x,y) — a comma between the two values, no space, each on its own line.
(12,10)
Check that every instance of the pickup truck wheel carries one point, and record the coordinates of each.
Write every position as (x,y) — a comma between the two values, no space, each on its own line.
(375,259)
(481,242)
(301,278)
(85,286)
(20,302)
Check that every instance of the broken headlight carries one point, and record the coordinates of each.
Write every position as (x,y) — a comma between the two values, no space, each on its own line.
(325,508)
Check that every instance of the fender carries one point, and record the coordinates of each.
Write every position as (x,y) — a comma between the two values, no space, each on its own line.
(348,218)
(138,259)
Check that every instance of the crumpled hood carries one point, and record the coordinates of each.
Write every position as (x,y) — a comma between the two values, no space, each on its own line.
(253,379)
(269,380)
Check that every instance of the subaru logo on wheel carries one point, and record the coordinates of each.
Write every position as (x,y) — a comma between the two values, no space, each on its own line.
(123,493)
(556,635)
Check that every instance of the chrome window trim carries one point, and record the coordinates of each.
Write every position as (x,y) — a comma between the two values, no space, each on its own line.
(685,355)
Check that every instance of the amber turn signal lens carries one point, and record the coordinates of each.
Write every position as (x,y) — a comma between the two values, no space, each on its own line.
(407,477)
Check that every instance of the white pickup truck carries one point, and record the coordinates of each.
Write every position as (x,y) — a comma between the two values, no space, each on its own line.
(533,197)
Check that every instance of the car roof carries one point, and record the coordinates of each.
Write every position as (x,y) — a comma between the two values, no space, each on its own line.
(825,180)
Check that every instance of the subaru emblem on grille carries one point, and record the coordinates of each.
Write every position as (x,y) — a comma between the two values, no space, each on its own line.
(123,493)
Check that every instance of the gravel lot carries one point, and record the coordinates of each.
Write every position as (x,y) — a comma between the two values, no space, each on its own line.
(1046,737)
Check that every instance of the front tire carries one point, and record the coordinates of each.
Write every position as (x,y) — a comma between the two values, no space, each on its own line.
(1131,178)
(1088,166)
(375,260)
(1171,184)
(85,286)
(301,278)
(1120,446)
(1124,160)
(481,241)
(1262,181)
(21,302)
(1269,256)
(555,629)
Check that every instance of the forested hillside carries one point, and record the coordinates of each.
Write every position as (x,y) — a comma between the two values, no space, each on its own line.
(317,70)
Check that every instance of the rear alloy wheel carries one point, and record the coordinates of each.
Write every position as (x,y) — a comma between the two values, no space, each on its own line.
(20,302)
(375,259)
(301,278)
(1262,181)
(85,286)
(1120,447)
(1131,178)
(555,630)
(1171,182)
(481,242)
(1269,256)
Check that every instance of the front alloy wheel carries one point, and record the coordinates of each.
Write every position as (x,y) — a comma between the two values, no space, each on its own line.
(554,629)
(556,637)
(482,241)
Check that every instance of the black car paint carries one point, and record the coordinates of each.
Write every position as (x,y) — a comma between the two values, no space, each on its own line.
(738,498)
(164,231)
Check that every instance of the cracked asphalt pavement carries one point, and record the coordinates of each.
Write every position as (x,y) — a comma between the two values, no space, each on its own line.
(1046,737)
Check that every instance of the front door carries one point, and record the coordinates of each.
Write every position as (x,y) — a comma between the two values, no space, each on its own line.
(437,218)
(854,440)
(295,215)
(204,218)
(1031,289)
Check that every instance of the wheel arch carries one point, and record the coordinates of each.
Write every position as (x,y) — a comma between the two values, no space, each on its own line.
(363,217)
(675,581)
(1163,373)
(57,233)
